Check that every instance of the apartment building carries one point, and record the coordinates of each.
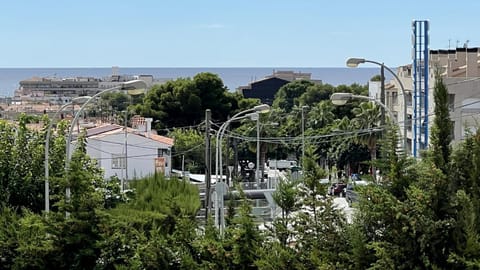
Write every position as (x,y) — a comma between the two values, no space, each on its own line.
(59,91)
(266,88)
(55,90)
(460,70)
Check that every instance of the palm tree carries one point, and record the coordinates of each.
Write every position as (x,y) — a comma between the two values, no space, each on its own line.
(367,117)
(322,114)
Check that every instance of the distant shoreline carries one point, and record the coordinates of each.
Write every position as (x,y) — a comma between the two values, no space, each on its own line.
(232,77)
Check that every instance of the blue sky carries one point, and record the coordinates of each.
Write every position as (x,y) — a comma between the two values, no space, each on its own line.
(223,33)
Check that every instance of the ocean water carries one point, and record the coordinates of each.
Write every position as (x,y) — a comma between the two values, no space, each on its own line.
(232,77)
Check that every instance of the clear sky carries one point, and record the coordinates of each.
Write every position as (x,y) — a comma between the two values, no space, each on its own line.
(225,33)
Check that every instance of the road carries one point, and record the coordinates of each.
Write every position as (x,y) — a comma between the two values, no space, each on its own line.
(342,204)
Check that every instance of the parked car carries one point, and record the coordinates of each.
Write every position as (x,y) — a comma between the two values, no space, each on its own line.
(351,194)
(337,189)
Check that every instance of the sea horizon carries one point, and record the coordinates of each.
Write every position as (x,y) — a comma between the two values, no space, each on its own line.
(232,77)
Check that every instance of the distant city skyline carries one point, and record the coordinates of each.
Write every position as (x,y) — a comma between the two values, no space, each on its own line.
(218,33)
(231,77)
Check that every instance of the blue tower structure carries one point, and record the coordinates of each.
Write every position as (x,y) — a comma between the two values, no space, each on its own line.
(420,86)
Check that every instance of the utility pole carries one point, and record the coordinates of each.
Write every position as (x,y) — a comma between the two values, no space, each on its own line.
(208,163)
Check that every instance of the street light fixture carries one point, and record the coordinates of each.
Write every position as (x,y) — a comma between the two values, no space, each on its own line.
(354,62)
(342,98)
(132,87)
(75,101)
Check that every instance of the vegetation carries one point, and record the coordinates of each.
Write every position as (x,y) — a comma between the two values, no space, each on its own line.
(423,214)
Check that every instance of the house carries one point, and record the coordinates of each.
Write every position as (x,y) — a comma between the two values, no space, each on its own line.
(460,70)
(146,151)
(266,88)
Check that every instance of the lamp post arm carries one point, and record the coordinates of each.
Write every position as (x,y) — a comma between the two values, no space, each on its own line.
(221,130)
(404,100)
(391,72)
(77,115)
(377,102)
(69,139)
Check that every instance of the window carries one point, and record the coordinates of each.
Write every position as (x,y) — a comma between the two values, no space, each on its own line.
(395,98)
(162,152)
(409,122)
(118,161)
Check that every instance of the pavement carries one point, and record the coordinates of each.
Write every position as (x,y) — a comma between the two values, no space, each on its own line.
(342,204)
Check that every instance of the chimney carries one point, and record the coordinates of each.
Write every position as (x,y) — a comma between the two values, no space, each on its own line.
(148,125)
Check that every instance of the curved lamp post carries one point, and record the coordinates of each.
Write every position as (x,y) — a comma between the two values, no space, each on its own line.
(134,86)
(354,62)
(219,220)
(263,108)
(75,101)
(340,99)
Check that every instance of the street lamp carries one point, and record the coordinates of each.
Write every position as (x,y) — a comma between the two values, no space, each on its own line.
(262,108)
(342,98)
(75,101)
(133,86)
(303,133)
(354,62)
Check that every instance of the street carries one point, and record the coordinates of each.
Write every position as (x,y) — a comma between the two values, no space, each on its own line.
(342,204)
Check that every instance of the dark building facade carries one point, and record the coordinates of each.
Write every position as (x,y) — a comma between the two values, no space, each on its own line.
(264,89)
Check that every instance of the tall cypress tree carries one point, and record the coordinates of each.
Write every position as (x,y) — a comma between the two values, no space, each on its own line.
(441,136)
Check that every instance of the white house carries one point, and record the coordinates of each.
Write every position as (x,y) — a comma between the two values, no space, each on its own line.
(146,152)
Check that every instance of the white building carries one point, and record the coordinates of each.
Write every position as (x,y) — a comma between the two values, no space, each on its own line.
(146,152)
(460,70)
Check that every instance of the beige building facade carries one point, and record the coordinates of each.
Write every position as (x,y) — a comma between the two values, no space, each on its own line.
(460,70)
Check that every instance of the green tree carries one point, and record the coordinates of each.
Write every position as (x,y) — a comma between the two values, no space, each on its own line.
(288,95)
(321,115)
(9,218)
(466,254)
(441,135)
(189,146)
(244,238)
(35,245)
(319,228)
(182,102)
(7,146)
(316,93)
(76,226)
(26,183)
(367,118)
(285,197)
